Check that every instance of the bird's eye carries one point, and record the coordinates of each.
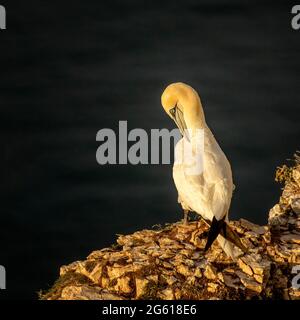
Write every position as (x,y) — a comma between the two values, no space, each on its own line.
(173,111)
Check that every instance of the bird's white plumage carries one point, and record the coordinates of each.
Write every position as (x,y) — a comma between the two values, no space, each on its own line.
(209,192)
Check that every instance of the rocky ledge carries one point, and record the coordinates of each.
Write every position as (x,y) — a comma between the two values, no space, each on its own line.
(169,263)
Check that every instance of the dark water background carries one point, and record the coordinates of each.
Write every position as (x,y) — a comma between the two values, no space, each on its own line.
(71,68)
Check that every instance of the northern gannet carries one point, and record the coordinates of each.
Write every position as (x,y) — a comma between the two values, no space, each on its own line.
(208,191)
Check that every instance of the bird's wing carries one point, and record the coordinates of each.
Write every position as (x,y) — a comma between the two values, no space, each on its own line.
(211,199)
(193,191)
(208,192)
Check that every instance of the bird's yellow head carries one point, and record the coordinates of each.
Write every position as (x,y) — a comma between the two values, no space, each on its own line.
(182,103)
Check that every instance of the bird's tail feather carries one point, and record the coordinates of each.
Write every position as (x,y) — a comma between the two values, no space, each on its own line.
(229,248)
(228,239)
(233,237)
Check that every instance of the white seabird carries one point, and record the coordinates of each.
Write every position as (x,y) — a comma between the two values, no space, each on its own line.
(208,191)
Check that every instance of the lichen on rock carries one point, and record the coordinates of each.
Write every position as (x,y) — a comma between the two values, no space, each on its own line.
(170,263)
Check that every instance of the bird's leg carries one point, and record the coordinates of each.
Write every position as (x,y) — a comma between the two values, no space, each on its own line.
(185,216)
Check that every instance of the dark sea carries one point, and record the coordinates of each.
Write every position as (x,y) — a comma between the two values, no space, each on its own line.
(71,68)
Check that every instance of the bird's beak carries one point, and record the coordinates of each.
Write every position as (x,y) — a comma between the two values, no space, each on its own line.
(178,117)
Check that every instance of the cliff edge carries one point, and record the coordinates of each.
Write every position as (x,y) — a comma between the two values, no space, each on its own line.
(169,263)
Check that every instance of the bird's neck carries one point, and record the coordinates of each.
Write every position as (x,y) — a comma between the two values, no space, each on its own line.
(196,127)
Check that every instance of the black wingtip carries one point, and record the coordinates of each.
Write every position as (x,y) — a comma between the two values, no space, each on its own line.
(215,229)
